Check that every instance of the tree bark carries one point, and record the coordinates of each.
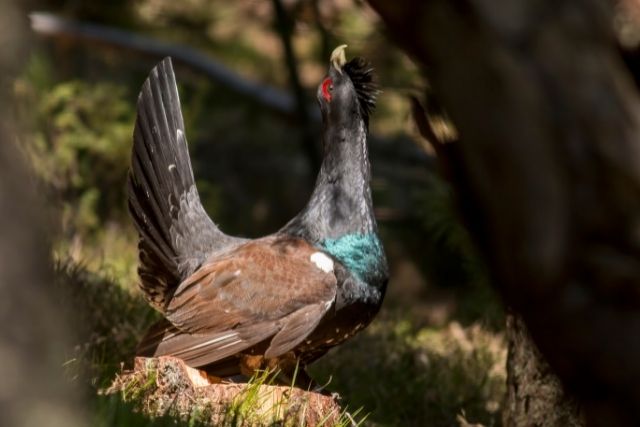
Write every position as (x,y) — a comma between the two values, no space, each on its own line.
(33,336)
(535,396)
(548,174)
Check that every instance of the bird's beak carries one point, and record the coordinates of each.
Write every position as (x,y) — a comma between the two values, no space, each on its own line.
(338,58)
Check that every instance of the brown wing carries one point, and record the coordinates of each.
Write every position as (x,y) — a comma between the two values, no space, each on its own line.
(265,288)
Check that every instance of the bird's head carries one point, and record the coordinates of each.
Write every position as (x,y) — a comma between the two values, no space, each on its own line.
(348,88)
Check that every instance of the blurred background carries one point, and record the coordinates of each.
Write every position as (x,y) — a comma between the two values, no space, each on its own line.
(247,73)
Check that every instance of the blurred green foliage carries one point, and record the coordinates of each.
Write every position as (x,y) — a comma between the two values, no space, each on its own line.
(80,137)
(452,259)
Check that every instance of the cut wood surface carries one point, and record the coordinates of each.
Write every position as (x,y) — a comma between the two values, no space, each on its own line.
(167,386)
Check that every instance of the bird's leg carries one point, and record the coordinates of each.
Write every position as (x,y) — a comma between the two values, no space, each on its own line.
(250,364)
(213,379)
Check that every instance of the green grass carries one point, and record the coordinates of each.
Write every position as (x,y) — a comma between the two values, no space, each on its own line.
(108,321)
(428,376)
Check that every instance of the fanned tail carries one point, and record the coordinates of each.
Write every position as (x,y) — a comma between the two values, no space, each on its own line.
(176,234)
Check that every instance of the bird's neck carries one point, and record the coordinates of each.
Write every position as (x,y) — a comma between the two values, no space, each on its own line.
(341,201)
(339,216)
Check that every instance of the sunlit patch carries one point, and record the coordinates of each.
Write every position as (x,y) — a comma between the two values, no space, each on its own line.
(327,87)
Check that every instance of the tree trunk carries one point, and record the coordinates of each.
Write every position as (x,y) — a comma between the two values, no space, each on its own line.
(548,174)
(535,396)
(33,390)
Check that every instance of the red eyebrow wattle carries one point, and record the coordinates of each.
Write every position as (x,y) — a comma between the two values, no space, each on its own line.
(325,89)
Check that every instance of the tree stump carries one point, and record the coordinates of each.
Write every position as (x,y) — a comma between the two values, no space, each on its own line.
(167,386)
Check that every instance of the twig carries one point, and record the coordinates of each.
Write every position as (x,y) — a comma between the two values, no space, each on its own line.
(284,24)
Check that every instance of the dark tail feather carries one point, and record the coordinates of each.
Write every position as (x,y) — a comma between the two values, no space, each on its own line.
(176,235)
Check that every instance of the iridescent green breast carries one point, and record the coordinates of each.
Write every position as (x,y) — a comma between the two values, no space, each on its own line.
(361,253)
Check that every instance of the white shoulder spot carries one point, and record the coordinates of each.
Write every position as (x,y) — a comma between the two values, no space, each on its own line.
(322,261)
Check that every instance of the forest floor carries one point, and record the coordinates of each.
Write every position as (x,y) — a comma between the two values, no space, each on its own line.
(407,368)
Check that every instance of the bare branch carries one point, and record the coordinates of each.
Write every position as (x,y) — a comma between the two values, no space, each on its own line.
(50,25)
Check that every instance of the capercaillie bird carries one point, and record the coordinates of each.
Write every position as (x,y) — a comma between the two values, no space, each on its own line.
(232,305)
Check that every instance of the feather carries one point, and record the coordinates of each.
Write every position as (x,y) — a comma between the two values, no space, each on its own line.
(265,288)
(176,234)
(296,328)
(362,76)
(204,349)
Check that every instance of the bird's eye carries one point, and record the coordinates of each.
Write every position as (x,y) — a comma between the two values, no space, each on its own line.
(327,88)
